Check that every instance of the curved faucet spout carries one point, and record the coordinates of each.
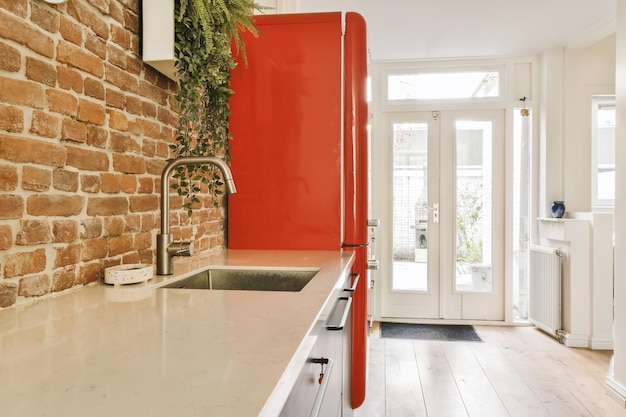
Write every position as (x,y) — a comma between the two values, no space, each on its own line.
(164,239)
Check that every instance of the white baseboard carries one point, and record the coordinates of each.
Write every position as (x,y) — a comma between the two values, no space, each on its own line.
(602,343)
(616,391)
(576,340)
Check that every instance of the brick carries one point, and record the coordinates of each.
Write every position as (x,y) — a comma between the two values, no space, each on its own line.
(91,112)
(34,286)
(107,206)
(148,109)
(93,21)
(116,56)
(73,131)
(41,72)
(121,143)
(97,136)
(91,228)
(150,129)
(95,249)
(43,124)
(131,21)
(33,232)
(63,278)
(116,11)
(143,241)
(65,180)
(91,272)
(64,231)
(94,88)
(10,58)
(148,148)
(87,159)
(110,183)
(153,92)
(121,79)
(131,258)
(132,223)
(8,294)
(44,18)
(6,237)
(120,36)
(167,117)
(68,255)
(115,98)
(24,263)
(18,30)
(134,65)
(70,54)
(117,120)
(120,244)
(149,222)
(19,149)
(129,184)
(8,178)
(17,7)
(70,31)
(102,5)
(25,93)
(69,79)
(90,183)
(146,185)
(54,205)
(96,45)
(113,226)
(11,118)
(36,179)
(129,164)
(11,206)
(62,102)
(143,203)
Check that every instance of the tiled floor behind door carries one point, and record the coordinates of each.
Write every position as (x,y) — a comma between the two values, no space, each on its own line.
(516,372)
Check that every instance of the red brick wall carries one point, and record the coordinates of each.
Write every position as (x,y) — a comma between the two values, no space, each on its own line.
(84,133)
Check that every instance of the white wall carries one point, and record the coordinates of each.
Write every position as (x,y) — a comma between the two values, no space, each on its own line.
(587,72)
(616,382)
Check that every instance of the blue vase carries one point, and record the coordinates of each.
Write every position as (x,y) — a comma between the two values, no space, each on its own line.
(558,209)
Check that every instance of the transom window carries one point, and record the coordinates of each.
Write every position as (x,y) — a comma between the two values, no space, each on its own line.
(443,85)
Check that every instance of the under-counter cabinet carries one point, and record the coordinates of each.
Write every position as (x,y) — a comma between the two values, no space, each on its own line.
(323,386)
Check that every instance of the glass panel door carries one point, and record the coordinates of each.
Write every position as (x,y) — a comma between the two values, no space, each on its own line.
(474,191)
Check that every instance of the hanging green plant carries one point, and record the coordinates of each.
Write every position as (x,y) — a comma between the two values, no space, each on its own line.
(205,31)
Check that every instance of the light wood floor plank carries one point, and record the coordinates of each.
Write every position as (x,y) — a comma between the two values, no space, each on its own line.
(479,396)
(518,398)
(404,389)
(441,394)
(517,372)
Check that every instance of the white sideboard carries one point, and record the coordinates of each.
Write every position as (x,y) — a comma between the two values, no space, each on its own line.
(586,241)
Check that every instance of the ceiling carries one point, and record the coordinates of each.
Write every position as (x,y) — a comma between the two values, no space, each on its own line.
(437,29)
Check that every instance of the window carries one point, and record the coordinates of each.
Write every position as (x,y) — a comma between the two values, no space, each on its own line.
(443,85)
(603,152)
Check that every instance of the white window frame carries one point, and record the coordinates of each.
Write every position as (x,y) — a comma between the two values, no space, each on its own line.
(598,101)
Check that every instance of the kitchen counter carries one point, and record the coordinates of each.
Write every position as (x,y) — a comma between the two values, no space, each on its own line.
(138,350)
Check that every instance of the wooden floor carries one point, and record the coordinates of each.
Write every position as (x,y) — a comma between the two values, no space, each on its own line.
(517,371)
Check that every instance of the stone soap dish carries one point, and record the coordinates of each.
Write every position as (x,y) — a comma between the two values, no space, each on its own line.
(128,274)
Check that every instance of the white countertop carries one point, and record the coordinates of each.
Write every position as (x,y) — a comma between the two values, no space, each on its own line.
(142,351)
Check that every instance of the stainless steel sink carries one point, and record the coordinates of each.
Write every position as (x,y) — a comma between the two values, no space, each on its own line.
(247,279)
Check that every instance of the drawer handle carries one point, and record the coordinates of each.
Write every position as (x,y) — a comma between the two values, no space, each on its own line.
(355,282)
(344,316)
(321,391)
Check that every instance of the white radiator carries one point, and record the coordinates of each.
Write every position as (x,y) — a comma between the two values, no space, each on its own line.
(545,289)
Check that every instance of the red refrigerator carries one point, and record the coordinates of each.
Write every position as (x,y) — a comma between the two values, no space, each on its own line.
(299,154)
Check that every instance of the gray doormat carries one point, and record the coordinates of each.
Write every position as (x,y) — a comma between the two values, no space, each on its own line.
(460,333)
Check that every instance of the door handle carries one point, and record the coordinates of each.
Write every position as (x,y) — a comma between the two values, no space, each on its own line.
(435,210)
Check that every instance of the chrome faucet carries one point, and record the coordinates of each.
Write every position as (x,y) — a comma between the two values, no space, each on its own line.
(166,247)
